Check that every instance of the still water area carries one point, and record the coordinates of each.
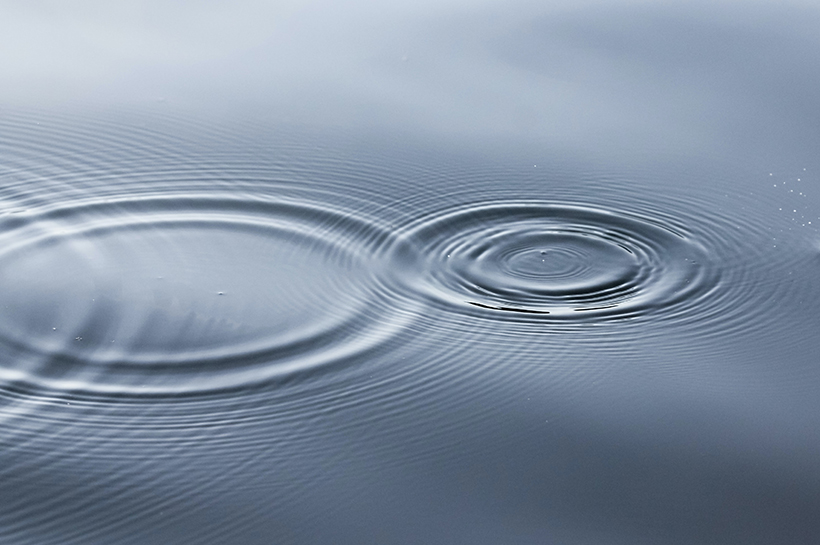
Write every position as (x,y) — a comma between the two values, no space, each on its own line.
(435,274)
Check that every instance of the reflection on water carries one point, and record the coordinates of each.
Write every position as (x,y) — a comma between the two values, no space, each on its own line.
(544,278)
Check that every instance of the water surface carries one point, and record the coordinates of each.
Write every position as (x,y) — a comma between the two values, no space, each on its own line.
(460,274)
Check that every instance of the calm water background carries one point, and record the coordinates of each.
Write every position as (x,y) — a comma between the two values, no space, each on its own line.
(463,272)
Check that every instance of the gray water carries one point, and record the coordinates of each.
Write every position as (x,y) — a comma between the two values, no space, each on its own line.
(437,273)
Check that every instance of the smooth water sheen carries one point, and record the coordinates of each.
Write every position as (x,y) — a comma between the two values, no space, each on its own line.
(410,275)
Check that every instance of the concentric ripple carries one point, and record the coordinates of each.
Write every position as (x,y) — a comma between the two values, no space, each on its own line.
(556,261)
(184,294)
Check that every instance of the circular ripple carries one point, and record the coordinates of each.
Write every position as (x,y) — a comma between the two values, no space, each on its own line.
(175,295)
(556,261)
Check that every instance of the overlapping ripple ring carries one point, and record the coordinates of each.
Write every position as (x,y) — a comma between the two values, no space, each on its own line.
(184,294)
(553,262)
